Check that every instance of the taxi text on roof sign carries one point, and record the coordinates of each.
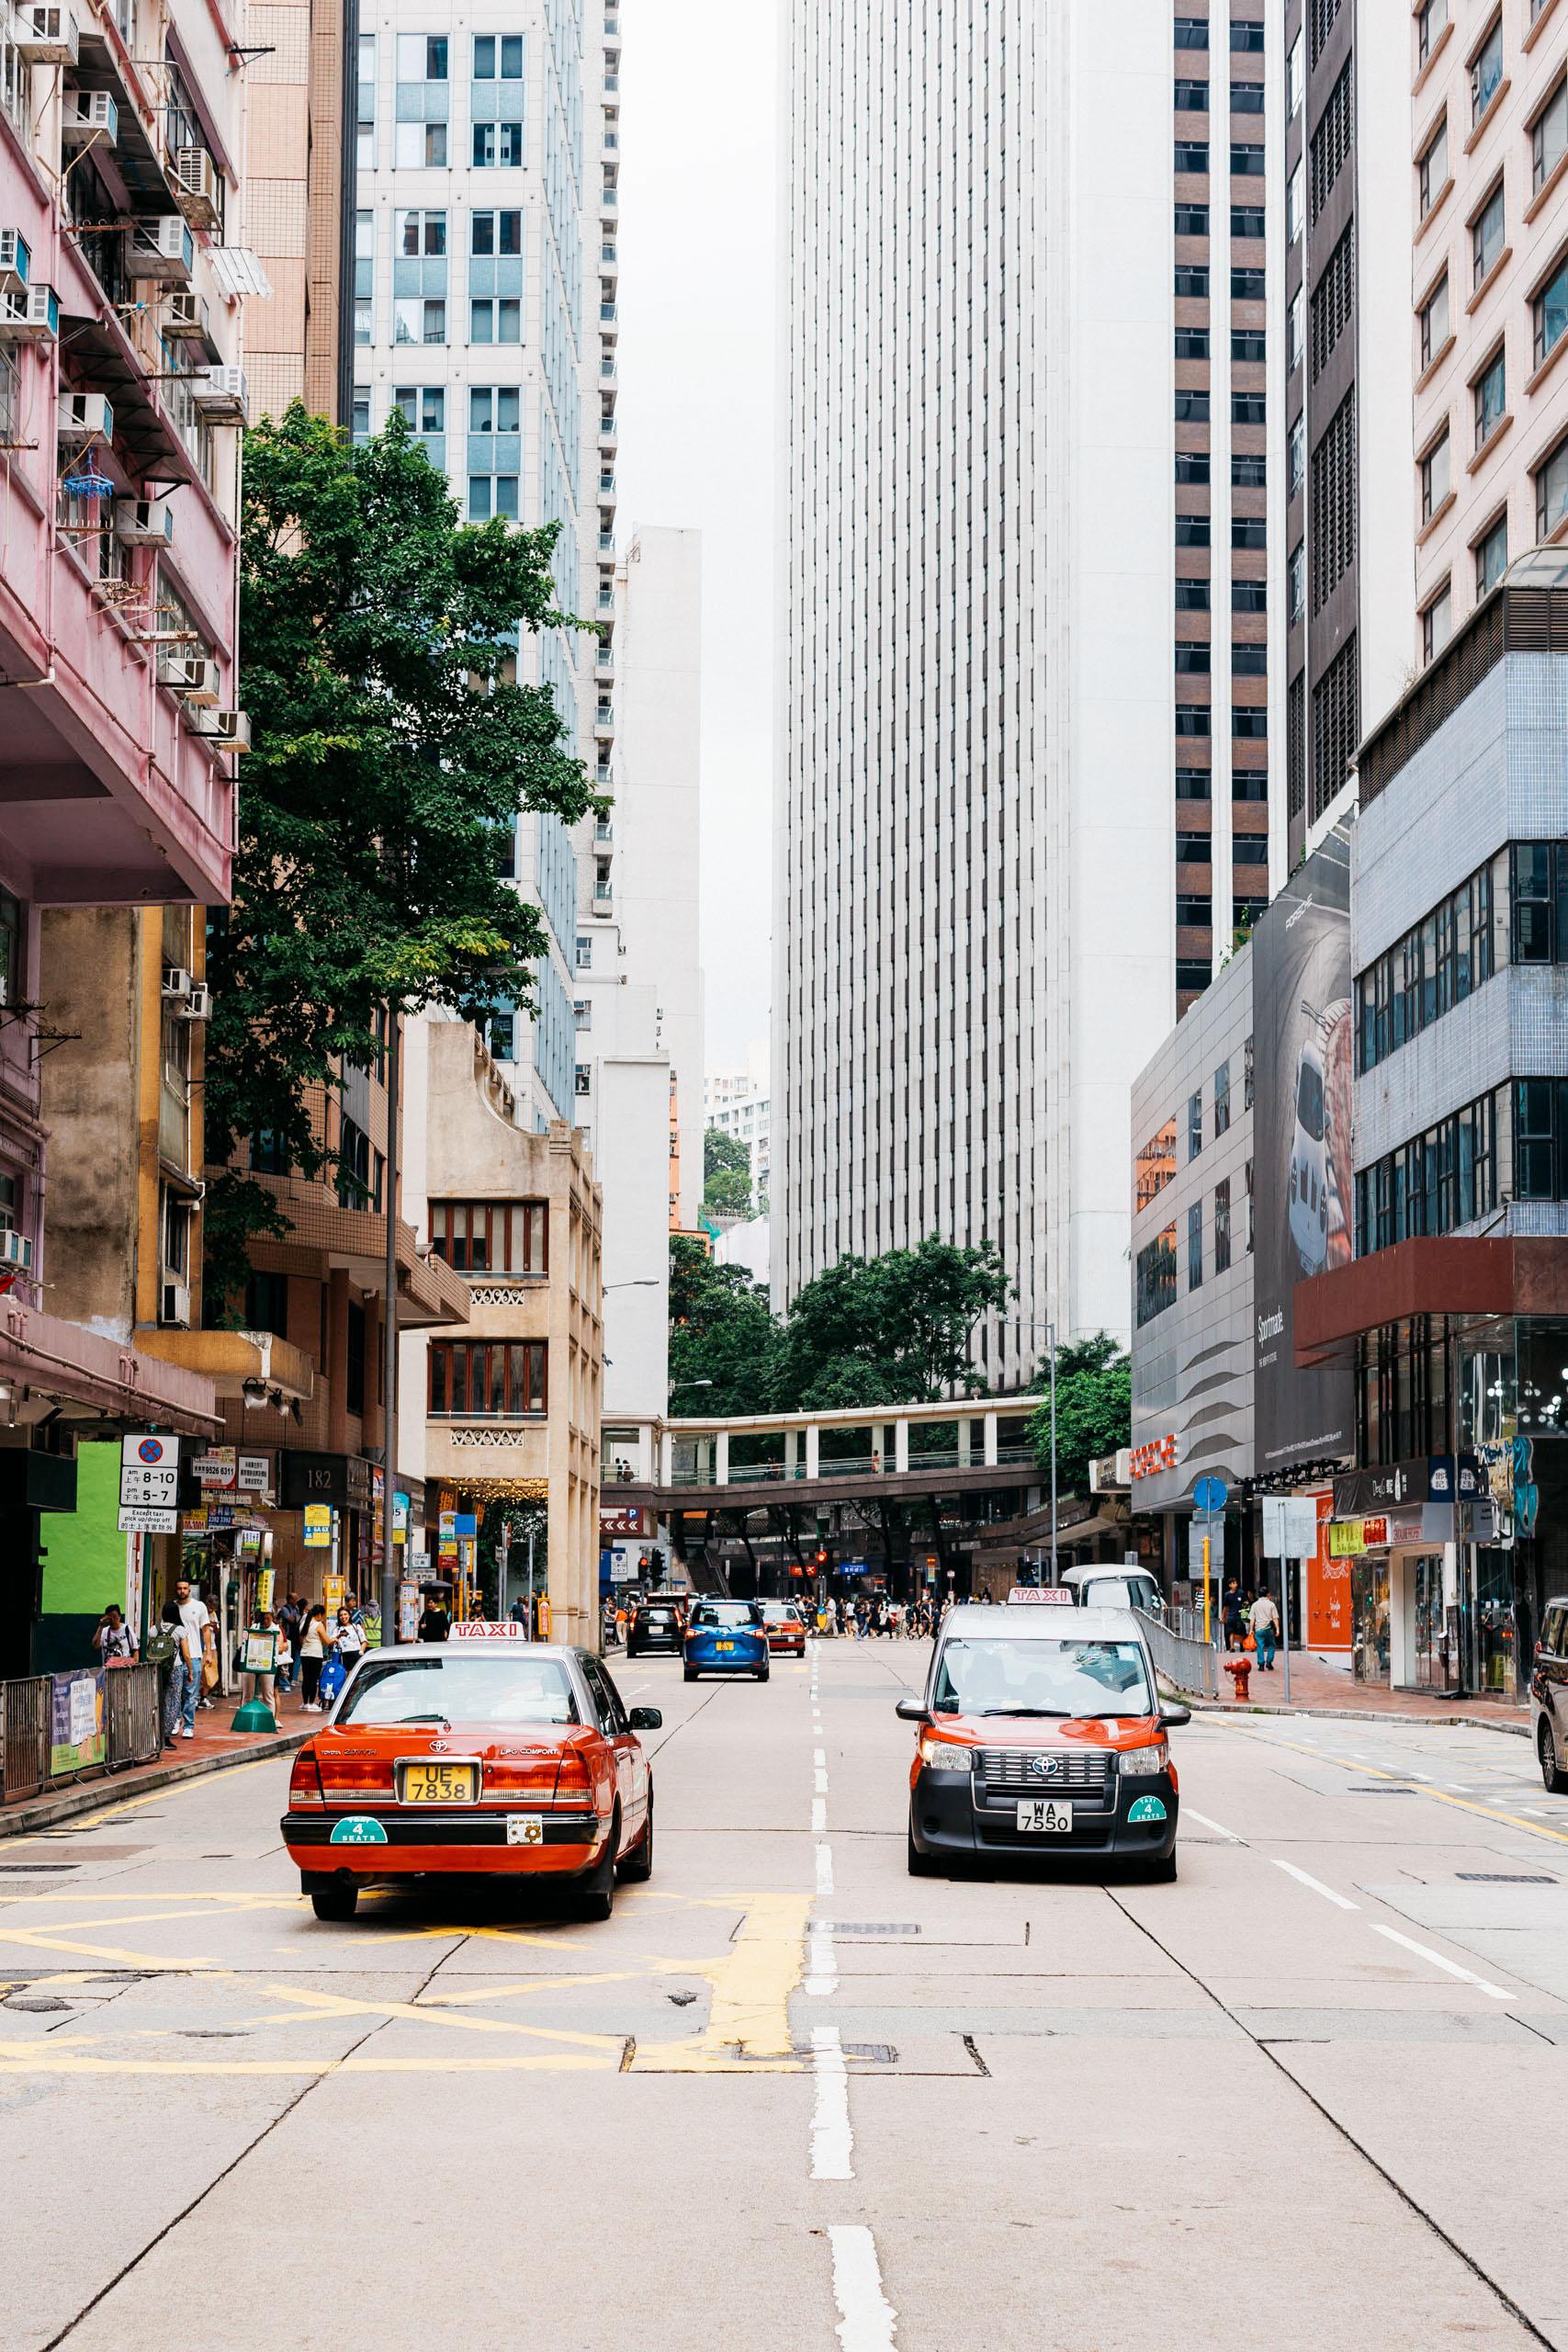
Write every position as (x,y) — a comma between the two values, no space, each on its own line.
(482,1629)
(1058,1592)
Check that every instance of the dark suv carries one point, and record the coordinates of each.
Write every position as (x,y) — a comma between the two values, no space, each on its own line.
(1549,1698)
(653,1625)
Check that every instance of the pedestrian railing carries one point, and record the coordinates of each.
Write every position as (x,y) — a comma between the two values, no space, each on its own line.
(132,1730)
(1190,1665)
(134,1724)
(27,1712)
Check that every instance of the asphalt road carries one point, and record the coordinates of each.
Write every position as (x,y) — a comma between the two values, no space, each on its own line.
(1313,2093)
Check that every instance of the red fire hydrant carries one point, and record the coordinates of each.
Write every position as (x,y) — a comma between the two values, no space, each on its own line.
(1241,1667)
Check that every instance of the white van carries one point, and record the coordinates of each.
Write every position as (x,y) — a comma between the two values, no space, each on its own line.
(1105,1586)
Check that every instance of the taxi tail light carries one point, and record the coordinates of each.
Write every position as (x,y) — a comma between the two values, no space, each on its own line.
(520,1779)
(304,1782)
(355,1775)
(574,1783)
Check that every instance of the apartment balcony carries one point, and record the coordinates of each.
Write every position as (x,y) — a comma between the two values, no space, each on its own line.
(607,433)
(604,725)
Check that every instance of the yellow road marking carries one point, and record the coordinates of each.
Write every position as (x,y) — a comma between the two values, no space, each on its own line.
(311,2005)
(563,2062)
(1350,1764)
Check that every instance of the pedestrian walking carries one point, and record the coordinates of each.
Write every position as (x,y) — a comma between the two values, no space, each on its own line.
(172,1626)
(435,1622)
(1265,1624)
(268,1684)
(197,1619)
(313,1649)
(290,1622)
(111,1638)
(1230,1614)
(348,1640)
(206,1676)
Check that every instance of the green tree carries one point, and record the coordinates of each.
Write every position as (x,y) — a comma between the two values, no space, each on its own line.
(890,1329)
(392,752)
(1094,1408)
(727,1193)
(722,1335)
(724,1154)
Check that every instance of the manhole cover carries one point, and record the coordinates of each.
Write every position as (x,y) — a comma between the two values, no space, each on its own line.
(39,1866)
(870,1926)
(1506,1878)
(1377,1789)
(21,2001)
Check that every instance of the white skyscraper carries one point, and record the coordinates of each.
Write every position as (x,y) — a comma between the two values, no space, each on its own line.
(484,308)
(975,937)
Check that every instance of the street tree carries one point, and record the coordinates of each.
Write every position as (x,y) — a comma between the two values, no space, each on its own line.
(727,1174)
(1094,1408)
(889,1329)
(392,752)
(722,1335)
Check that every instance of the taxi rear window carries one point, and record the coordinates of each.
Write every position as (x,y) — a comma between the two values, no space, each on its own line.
(460,1688)
(723,1612)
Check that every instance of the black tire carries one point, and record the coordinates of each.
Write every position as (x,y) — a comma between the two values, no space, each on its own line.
(638,1867)
(920,1865)
(1554,1780)
(762,1674)
(338,1899)
(1162,1870)
(690,1673)
(596,1893)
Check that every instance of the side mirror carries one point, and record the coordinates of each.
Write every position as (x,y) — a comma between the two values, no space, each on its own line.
(1172,1718)
(645,1718)
(912,1711)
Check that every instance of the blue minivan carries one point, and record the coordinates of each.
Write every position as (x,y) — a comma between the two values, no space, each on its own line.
(726,1638)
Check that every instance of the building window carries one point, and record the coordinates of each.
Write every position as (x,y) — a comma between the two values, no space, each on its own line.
(1249,408)
(1193,719)
(1248,285)
(1192,156)
(1248,347)
(364,276)
(416,321)
(1192,976)
(1191,32)
(1192,219)
(1330,144)
(1429,22)
(585,951)
(489,52)
(360,413)
(1491,399)
(1334,504)
(1156,1271)
(1249,720)
(422,233)
(1194,913)
(1192,98)
(1432,171)
(1246,161)
(1249,1209)
(419,146)
(1247,222)
(497,146)
(1195,1124)
(1552,492)
(1156,1166)
(1247,36)
(1297,456)
(1223,1227)
(1486,72)
(1195,1246)
(1192,660)
(1192,408)
(1434,320)
(1436,475)
(582,1079)
(266,1303)
(1486,235)
(1548,314)
(1295,189)
(1296,79)
(1193,342)
(495,232)
(1191,282)
(1250,595)
(1492,558)
(1191,530)
(1222,1100)
(1296,582)
(1249,783)
(489,1379)
(1192,783)
(1549,137)
(495,321)
(1335,725)
(1246,97)
(1333,302)
(1246,1076)
(1250,849)
(492,1237)
(1437,623)
(1191,595)
(421,57)
(421,408)
(1192,849)
(1193,466)
(359,1167)
(354,1365)
(1435,966)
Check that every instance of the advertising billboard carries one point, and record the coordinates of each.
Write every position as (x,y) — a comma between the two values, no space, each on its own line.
(1301,1172)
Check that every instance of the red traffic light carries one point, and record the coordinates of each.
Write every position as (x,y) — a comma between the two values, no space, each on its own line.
(821,1559)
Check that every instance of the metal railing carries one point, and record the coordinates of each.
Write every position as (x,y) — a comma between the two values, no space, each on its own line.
(132,1729)
(1190,1665)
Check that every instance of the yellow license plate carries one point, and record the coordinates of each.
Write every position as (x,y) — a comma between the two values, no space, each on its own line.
(440,1783)
(724,1645)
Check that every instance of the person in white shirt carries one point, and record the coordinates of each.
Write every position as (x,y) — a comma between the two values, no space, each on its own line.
(112,1638)
(197,1619)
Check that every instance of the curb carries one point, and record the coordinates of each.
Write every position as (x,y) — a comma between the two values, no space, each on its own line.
(90,1796)
(1357,1715)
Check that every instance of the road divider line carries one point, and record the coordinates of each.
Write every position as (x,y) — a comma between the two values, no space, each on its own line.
(820,1783)
(820,1757)
(867,2320)
(832,2142)
(1193,1813)
(822,1964)
(819,1816)
(824,1870)
(1316,1884)
(1424,1951)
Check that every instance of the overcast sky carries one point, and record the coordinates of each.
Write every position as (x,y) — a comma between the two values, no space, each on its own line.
(697,425)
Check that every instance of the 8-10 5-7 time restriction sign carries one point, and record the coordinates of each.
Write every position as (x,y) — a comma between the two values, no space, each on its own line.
(149,1484)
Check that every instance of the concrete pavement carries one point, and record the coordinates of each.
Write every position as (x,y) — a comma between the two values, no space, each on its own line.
(1310,2095)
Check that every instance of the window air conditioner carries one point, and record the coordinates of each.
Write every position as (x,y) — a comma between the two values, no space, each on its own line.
(190,675)
(15,260)
(143,522)
(32,312)
(186,317)
(84,416)
(177,982)
(230,729)
(197,1005)
(45,35)
(88,117)
(160,248)
(175,1305)
(15,1251)
(222,395)
(196,187)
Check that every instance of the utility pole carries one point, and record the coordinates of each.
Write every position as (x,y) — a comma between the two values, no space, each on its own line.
(389,1334)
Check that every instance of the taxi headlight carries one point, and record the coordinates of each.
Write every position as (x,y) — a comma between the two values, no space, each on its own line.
(946,1755)
(1137,1762)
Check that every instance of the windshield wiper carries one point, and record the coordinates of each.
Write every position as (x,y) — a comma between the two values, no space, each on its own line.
(439,1720)
(1065,1713)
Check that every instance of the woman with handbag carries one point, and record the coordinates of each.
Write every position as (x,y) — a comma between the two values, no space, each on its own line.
(312,1645)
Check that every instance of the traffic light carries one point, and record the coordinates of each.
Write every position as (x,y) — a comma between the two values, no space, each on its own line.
(821,1558)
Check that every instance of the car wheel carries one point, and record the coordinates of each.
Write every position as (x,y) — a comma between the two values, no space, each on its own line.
(638,1867)
(1162,1871)
(762,1674)
(1555,1780)
(337,1900)
(596,1893)
(691,1674)
(920,1865)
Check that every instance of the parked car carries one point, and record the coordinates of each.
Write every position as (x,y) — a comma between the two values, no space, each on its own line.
(1549,1697)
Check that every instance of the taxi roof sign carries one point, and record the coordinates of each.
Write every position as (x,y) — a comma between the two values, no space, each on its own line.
(485,1629)
(1037,1592)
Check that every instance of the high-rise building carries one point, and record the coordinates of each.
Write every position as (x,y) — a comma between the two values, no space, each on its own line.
(736,1102)
(1346,232)
(484,246)
(974,937)
(298,196)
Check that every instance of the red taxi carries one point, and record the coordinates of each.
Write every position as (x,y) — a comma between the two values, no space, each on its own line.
(483,1755)
(785,1629)
(1043,1732)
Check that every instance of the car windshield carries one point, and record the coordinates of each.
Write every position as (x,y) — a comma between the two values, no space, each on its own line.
(724,1613)
(778,1612)
(1028,1676)
(460,1690)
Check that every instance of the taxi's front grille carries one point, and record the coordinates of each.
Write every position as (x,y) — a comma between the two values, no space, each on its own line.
(1015,1771)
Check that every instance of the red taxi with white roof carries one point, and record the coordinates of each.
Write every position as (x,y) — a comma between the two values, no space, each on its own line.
(485,1755)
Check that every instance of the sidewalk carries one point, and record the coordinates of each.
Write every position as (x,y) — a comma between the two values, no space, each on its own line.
(1322,1686)
(212,1747)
